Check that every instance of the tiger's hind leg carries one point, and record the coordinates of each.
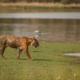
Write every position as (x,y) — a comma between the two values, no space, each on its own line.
(2,52)
(19,53)
(2,46)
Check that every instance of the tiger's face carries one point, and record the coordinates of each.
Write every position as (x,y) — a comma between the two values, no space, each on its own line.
(35,43)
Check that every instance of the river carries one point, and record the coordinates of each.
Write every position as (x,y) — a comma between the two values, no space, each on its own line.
(46,26)
(42,15)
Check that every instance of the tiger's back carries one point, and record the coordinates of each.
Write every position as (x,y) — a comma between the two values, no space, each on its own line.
(9,40)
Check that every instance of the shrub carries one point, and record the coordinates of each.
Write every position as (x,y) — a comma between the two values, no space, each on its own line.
(65,1)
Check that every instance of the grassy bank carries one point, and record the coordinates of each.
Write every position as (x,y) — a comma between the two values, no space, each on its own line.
(49,63)
(29,6)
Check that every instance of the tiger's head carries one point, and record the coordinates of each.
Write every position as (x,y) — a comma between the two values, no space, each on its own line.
(35,43)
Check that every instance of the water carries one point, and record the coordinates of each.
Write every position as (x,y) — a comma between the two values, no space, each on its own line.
(73,54)
(47,26)
(42,15)
(63,30)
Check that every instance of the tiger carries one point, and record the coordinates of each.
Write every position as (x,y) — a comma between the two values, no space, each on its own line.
(20,43)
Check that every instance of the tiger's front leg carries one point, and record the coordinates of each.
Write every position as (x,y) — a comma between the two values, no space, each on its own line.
(28,55)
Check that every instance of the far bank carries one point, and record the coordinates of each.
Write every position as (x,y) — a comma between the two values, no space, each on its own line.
(23,7)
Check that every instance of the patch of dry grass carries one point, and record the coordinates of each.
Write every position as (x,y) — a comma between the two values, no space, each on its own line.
(34,4)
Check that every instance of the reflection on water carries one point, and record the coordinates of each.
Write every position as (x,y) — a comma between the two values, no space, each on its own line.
(42,15)
(43,29)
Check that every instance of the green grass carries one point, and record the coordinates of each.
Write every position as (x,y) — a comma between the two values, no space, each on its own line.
(49,63)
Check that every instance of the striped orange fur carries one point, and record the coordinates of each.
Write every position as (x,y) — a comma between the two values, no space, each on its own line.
(20,43)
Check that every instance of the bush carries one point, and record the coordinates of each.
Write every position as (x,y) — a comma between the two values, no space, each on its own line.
(65,1)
